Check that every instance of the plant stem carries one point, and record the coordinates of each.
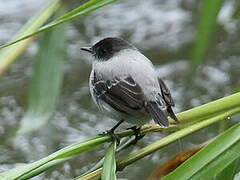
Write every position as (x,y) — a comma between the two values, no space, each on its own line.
(161,143)
(203,111)
(90,144)
(173,137)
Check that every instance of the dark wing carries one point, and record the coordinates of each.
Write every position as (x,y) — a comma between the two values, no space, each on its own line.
(167,98)
(157,114)
(126,96)
(123,95)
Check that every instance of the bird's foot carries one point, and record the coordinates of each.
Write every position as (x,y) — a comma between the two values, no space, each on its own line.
(137,134)
(112,135)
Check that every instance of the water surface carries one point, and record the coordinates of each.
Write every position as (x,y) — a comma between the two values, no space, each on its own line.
(163,30)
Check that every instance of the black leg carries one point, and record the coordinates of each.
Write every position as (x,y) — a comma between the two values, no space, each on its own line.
(136,133)
(111,132)
(116,126)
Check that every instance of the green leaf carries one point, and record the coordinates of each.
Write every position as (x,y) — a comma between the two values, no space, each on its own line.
(210,109)
(125,142)
(131,158)
(62,155)
(230,171)
(95,175)
(173,137)
(43,168)
(8,55)
(47,79)
(206,29)
(109,165)
(86,8)
(212,159)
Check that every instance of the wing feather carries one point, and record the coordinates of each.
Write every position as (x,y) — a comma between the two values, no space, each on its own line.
(166,93)
(123,95)
(126,96)
(157,114)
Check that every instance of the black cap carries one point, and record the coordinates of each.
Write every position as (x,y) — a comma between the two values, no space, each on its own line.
(108,47)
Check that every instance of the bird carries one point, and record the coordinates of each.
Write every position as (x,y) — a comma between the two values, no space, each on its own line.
(125,85)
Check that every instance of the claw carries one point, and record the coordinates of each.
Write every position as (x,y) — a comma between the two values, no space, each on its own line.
(136,133)
(112,135)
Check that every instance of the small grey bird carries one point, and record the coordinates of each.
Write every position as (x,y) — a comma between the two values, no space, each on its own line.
(124,84)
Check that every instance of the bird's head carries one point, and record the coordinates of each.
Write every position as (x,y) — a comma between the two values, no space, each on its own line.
(107,48)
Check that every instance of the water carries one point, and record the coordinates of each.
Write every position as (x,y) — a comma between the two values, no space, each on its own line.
(163,31)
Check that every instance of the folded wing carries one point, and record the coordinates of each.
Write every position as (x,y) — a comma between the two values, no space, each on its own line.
(126,96)
(123,95)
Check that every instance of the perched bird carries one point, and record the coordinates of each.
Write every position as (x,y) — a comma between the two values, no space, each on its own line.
(124,84)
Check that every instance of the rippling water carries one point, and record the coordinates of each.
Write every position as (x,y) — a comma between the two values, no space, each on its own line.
(163,31)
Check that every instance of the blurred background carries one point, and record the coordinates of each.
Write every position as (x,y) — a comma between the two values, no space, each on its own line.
(165,31)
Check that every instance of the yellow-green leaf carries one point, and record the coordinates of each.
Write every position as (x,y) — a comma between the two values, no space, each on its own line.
(109,165)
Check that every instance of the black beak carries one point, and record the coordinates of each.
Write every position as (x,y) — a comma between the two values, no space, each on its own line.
(88,49)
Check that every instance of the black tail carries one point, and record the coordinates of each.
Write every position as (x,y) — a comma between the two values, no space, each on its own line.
(171,114)
(167,98)
(156,113)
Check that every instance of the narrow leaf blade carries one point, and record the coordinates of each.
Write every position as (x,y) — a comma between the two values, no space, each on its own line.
(85,9)
(230,171)
(206,28)
(47,78)
(50,161)
(109,166)
(8,55)
(212,159)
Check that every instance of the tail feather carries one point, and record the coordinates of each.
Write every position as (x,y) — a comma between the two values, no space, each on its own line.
(157,114)
(171,114)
